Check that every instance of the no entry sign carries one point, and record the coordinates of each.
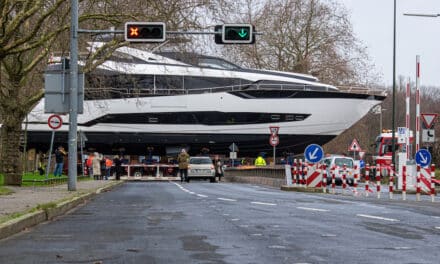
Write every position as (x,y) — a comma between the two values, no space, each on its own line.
(54,121)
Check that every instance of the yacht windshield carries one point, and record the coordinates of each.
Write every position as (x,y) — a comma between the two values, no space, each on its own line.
(217,63)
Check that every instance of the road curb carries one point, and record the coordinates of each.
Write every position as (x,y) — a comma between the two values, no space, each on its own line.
(20,223)
(301,189)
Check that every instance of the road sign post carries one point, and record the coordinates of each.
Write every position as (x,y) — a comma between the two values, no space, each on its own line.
(54,122)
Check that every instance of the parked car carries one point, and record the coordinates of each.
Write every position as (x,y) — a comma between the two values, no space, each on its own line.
(338,161)
(201,168)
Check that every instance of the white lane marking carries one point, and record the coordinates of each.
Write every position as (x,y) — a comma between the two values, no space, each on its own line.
(202,195)
(227,199)
(277,247)
(313,209)
(257,234)
(191,192)
(436,217)
(260,203)
(235,219)
(378,217)
(437,227)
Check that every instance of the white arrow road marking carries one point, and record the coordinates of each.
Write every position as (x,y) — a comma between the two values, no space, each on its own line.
(313,156)
(377,217)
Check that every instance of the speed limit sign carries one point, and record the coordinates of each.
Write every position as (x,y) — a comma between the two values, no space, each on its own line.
(54,121)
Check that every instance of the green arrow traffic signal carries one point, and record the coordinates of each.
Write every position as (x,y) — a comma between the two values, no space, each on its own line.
(237,34)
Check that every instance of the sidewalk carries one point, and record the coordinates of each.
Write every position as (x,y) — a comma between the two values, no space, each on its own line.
(60,200)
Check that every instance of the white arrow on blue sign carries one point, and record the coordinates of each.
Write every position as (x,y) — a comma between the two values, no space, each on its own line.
(314,153)
(423,158)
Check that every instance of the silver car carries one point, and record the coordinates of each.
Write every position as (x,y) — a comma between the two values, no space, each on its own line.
(201,168)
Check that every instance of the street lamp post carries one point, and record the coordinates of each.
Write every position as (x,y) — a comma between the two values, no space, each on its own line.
(393,126)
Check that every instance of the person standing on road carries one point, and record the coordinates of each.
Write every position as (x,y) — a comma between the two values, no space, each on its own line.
(96,166)
(118,169)
(59,161)
(108,167)
(183,160)
(260,161)
(218,166)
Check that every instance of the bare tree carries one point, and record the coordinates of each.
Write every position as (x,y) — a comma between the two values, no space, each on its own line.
(306,36)
(32,29)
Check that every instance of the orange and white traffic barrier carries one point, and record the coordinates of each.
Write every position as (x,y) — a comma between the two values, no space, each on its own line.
(432,182)
(367,179)
(333,179)
(344,178)
(324,178)
(391,184)
(404,182)
(418,187)
(378,181)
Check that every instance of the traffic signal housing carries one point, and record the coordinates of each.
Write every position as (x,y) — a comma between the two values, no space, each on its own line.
(235,34)
(145,32)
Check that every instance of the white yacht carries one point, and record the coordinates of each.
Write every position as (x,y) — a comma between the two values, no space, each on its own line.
(137,100)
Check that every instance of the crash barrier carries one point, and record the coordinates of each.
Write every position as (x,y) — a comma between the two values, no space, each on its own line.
(274,176)
(151,170)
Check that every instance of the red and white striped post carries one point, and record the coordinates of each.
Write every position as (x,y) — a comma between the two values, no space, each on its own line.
(300,173)
(344,178)
(306,168)
(333,180)
(391,185)
(324,177)
(295,172)
(378,181)
(417,103)
(432,182)
(355,176)
(367,179)
(418,188)
(407,119)
(404,183)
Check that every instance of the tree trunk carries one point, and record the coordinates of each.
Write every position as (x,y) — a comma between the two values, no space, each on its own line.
(10,161)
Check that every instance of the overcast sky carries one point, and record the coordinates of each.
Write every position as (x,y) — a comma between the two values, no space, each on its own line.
(373,24)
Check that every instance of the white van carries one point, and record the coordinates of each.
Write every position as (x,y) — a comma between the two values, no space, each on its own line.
(338,161)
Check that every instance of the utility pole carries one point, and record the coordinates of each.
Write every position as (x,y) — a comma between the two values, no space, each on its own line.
(73,110)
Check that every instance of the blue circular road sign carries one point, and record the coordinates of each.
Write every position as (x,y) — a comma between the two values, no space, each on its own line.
(423,158)
(314,153)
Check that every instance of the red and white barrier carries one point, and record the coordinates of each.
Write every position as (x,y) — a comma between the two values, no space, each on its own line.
(295,173)
(367,179)
(432,183)
(404,182)
(391,183)
(418,187)
(333,179)
(425,179)
(344,178)
(324,178)
(378,181)
(355,176)
(313,177)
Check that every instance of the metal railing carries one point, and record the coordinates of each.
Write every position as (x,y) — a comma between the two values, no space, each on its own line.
(143,92)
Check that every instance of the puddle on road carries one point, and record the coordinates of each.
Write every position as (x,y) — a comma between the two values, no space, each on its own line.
(392,230)
(205,251)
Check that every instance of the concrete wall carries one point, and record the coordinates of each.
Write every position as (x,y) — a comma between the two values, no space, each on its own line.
(270,176)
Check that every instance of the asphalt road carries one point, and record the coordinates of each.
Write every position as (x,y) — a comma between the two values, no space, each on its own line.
(201,222)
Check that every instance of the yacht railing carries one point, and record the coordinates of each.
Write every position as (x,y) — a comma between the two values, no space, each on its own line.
(155,91)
